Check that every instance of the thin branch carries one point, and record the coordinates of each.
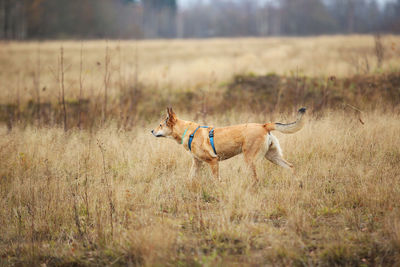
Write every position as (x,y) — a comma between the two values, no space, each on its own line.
(106,81)
(63,88)
(80,87)
(359,112)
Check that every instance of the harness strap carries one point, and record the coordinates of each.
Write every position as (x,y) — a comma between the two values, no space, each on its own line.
(211,136)
(184,134)
(192,135)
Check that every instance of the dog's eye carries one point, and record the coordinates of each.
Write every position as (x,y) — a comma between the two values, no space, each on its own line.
(160,125)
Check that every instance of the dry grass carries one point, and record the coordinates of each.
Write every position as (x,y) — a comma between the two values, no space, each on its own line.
(109,196)
(183,64)
(116,197)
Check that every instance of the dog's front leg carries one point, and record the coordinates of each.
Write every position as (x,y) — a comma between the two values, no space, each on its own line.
(215,169)
(196,164)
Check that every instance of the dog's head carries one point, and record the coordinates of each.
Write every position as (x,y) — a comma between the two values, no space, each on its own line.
(166,125)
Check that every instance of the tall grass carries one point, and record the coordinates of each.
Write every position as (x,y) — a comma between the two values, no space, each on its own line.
(124,197)
(71,193)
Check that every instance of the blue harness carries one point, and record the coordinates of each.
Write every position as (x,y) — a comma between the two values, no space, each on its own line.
(210,135)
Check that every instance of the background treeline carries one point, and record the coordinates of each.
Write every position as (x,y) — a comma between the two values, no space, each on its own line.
(125,19)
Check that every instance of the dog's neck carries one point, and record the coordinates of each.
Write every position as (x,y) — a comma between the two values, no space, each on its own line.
(180,127)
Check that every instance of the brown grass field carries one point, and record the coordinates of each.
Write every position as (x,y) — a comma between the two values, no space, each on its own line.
(113,195)
(182,64)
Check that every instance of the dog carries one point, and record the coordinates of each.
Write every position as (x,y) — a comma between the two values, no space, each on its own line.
(210,145)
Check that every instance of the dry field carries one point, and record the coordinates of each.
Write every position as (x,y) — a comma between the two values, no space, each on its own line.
(110,196)
(180,64)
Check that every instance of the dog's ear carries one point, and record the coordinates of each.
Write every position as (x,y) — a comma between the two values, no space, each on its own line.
(171,116)
(170,112)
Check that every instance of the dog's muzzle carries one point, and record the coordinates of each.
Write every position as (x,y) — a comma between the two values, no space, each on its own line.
(156,135)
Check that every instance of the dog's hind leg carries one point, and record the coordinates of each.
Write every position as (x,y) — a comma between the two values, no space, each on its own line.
(250,156)
(252,152)
(252,167)
(194,170)
(274,154)
(275,157)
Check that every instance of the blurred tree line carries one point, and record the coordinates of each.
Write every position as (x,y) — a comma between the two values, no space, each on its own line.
(49,19)
(125,19)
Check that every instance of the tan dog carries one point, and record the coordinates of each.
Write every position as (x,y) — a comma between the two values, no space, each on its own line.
(252,139)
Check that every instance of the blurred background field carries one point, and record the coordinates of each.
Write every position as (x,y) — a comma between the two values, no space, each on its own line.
(84,183)
(135,80)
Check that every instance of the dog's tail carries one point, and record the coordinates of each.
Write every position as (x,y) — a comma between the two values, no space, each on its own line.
(290,127)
